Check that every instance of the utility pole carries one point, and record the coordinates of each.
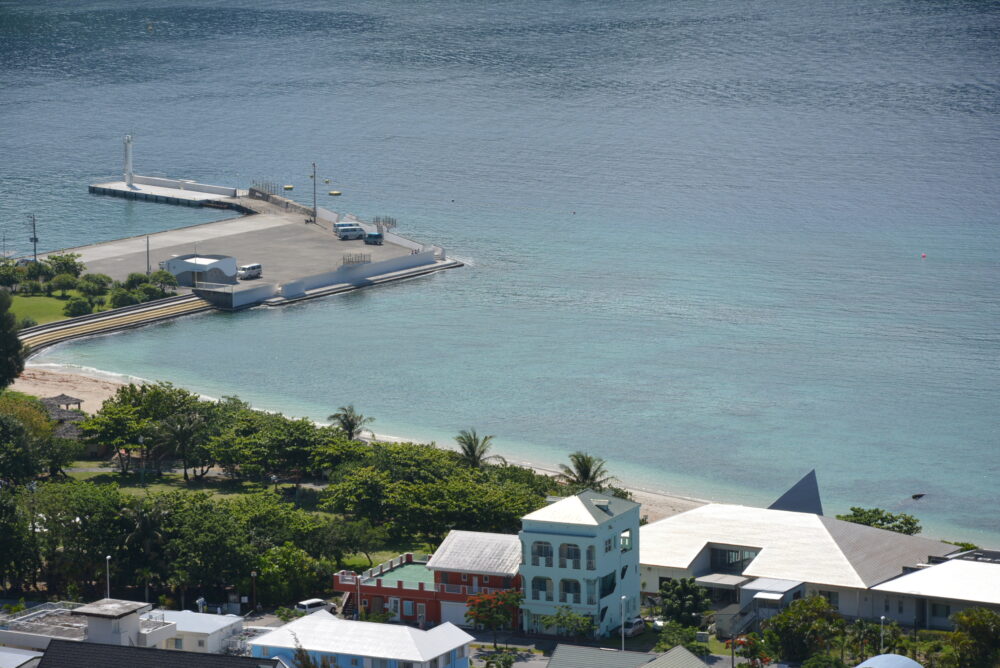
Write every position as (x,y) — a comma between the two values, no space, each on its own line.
(147,255)
(315,219)
(34,235)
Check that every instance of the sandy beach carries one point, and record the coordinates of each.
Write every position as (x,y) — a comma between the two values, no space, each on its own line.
(93,391)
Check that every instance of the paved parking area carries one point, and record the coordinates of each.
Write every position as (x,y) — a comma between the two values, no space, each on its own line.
(286,246)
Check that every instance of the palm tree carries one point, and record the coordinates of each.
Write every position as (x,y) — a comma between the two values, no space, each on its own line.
(350,421)
(179,434)
(585,471)
(473,449)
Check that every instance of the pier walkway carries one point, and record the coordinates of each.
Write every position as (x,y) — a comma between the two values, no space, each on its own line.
(43,336)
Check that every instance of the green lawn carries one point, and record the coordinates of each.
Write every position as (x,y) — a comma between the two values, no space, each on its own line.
(135,483)
(40,308)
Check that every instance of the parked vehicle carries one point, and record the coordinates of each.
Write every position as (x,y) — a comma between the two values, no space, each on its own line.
(248,271)
(355,232)
(314,604)
(374,238)
(634,626)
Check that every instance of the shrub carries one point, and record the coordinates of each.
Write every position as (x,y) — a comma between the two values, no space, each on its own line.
(76,306)
(120,297)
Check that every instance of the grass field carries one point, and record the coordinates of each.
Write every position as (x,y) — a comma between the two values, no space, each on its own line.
(40,308)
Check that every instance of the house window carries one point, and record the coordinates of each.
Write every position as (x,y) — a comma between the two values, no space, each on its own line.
(569,556)
(885,607)
(541,554)
(408,608)
(465,577)
(201,643)
(406,664)
(444,578)
(831,596)
(899,606)
(735,561)
(460,652)
(569,591)
(434,663)
(607,544)
(608,584)
(591,558)
(178,643)
(626,540)
(486,579)
(421,610)
(541,589)
(940,610)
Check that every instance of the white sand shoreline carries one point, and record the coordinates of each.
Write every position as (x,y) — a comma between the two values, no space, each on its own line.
(94,386)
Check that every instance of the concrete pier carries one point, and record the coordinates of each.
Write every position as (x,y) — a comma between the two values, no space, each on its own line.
(301,258)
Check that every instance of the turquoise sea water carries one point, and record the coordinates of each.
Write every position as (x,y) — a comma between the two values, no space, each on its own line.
(694,230)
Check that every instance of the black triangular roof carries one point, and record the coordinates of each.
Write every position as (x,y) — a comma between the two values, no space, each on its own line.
(802,497)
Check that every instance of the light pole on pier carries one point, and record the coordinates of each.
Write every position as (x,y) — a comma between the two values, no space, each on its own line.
(34,236)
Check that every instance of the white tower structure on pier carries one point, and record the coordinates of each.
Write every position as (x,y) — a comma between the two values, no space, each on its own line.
(128,160)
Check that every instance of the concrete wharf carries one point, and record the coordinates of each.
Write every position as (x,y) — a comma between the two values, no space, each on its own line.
(302,257)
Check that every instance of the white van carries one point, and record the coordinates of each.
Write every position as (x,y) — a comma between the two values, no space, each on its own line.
(250,271)
(354,231)
(312,605)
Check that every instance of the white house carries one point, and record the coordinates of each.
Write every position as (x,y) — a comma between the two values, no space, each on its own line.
(349,643)
(927,597)
(206,268)
(196,631)
(581,551)
(728,547)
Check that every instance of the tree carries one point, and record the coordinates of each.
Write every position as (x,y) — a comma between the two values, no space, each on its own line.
(77,306)
(882,519)
(572,623)
(163,279)
(19,456)
(803,629)
(120,297)
(181,433)
(350,421)
(752,648)
(287,573)
(366,538)
(119,426)
(494,611)
(134,280)
(675,633)
(9,275)
(11,351)
(31,287)
(683,601)
(585,471)
(474,448)
(978,637)
(62,283)
(863,638)
(823,661)
(66,263)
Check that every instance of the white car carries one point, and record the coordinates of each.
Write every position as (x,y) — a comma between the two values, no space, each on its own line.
(634,627)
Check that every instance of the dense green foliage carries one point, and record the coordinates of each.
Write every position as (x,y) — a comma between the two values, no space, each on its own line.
(674,634)
(566,622)
(683,601)
(585,471)
(805,628)
(186,542)
(494,611)
(883,519)
(11,351)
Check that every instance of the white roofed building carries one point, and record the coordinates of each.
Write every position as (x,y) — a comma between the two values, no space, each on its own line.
(934,593)
(728,546)
(365,644)
(197,631)
(581,551)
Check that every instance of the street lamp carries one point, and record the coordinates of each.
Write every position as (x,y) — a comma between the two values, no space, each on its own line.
(253,589)
(107,565)
(623,621)
(881,635)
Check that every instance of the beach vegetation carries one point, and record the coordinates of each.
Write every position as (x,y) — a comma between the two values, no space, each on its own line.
(585,472)
(883,519)
(474,449)
(350,421)
(163,279)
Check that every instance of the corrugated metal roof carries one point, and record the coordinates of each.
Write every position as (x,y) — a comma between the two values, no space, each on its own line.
(478,552)
(678,657)
(576,656)
(73,654)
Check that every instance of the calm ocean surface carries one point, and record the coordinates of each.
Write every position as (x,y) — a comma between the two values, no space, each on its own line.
(694,230)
